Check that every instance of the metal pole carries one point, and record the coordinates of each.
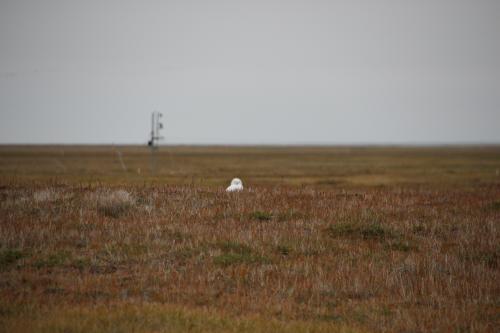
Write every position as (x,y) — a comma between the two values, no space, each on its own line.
(156,126)
(152,129)
(153,143)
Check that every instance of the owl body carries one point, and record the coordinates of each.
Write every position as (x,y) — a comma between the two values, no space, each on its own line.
(236,185)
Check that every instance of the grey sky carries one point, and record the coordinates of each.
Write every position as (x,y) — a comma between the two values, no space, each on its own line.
(351,71)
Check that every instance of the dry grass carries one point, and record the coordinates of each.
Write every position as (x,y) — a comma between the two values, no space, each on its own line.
(100,256)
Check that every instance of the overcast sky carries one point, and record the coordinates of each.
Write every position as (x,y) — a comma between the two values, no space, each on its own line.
(242,72)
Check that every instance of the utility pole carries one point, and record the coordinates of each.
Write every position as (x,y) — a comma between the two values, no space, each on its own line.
(156,126)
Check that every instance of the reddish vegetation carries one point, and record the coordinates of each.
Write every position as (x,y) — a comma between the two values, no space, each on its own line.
(399,258)
(395,259)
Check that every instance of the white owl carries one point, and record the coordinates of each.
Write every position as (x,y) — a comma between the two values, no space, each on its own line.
(236,186)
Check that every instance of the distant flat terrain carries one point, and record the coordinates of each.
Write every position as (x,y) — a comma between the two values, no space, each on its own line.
(322,239)
(216,166)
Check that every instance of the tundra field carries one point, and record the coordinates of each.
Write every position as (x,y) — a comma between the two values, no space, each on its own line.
(323,239)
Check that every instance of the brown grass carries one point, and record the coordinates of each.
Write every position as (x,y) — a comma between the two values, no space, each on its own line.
(113,255)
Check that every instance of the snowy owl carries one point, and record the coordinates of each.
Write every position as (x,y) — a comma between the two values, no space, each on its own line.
(236,185)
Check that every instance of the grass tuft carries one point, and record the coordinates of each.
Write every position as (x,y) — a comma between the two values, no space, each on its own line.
(488,258)
(495,206)
(236,253)
(114,204)
(284,250)
(230,246)
(401,245)
(9,257)
(261,216)
(53,260)
(228,259)
(374,231)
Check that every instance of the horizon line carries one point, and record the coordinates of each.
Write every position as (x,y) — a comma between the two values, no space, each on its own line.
(295,144)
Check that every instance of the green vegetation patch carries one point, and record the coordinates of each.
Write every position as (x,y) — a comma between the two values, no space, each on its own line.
(230,246)
(261,216)
(488,258)
(81,263)
(235,254)
(53,260)
(402,246)
(284,249)
(9,257)
(375,231)
(495,206)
